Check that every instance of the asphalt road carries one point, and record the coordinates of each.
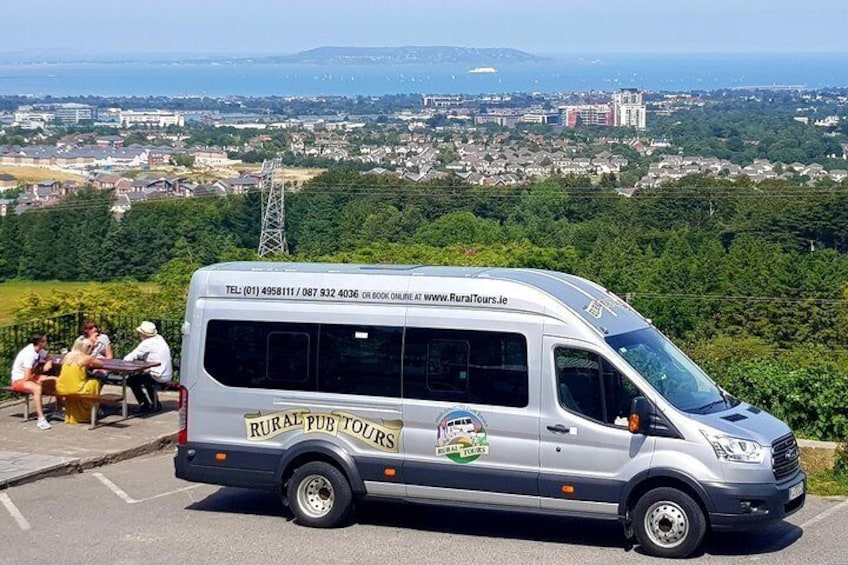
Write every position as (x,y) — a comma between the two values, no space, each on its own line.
(137,512)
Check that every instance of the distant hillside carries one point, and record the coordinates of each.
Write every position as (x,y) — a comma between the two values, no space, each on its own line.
(405,55)
(473,56)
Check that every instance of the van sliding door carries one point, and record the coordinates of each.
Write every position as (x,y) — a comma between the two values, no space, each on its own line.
(470,406)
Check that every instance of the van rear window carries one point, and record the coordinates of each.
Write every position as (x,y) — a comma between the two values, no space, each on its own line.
(346,359)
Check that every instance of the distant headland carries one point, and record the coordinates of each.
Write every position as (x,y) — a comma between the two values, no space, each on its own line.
(476,56)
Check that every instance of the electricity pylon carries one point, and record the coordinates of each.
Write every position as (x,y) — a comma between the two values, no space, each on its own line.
(273,237)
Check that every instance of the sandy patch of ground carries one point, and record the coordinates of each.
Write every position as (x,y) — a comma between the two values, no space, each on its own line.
(38,174)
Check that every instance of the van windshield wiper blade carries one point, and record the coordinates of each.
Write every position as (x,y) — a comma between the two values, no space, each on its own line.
(705,407)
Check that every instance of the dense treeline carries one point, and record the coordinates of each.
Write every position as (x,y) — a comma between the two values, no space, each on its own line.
(738,273)
(742,134)
(702,257)
(82,240)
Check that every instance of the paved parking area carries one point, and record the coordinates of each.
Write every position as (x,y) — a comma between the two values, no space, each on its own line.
(137,512)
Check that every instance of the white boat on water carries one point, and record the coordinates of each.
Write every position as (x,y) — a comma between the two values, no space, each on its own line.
(483,70)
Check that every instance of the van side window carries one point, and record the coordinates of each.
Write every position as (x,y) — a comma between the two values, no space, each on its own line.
(476,367)
(447,365)
(261,354)
(288,357)
(362,360)
(590,386)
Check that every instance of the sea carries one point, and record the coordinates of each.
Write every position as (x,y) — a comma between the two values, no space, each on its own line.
(666,72)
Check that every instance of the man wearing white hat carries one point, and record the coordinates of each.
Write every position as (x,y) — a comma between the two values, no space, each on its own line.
(154,349)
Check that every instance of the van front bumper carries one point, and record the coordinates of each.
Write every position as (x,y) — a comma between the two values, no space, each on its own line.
(742,506)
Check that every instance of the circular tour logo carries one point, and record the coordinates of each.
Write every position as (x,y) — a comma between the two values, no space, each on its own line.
(461,436)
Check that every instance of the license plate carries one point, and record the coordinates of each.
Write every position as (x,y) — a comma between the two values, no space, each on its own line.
(796,491)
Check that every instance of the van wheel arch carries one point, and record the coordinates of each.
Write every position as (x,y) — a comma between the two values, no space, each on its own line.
(319,495)
(320,451)
(647,485)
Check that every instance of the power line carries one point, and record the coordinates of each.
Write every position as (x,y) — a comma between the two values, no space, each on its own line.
(712,297)
(703,194)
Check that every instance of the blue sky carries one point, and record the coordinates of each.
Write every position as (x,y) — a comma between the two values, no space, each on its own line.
(538,26)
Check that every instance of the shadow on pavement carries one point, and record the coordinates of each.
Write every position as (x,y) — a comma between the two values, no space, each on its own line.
(496,523)
(492,523)
(424,517)
(232,500)
(756,542)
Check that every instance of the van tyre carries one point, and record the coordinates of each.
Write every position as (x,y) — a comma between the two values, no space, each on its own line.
(319,495)
(669,523)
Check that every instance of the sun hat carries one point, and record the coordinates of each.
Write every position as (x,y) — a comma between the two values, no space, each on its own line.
(147,328)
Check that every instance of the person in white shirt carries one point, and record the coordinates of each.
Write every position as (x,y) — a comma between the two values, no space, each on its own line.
(154,349)
(25,378)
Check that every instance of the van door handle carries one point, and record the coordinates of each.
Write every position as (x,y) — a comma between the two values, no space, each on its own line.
(559,429)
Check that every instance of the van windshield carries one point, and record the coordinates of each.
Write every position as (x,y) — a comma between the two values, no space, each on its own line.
(670,372)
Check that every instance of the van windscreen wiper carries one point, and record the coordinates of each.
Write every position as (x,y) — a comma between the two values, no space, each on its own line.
(703,409)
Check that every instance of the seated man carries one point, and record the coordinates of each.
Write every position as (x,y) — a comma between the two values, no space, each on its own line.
(153,348)
(25,378)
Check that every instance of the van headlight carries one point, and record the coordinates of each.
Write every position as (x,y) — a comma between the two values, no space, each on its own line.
(734,448)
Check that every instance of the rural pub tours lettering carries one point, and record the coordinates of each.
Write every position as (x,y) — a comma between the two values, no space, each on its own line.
(383,436)
(322,293)
(462,451)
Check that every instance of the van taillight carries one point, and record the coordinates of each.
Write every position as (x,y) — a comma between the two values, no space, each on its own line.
(182,434)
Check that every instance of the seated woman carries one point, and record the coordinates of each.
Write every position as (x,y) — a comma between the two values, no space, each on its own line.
(72,380)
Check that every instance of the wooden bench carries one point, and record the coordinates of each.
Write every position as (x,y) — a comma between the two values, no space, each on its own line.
(96,401)
(26,395)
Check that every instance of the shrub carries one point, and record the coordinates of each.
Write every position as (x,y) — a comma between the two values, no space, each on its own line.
(810,399)
(840,464)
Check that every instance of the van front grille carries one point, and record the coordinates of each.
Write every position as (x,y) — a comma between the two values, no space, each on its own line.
(786,458)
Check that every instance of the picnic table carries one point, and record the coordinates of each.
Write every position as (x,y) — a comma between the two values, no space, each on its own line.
(118,367)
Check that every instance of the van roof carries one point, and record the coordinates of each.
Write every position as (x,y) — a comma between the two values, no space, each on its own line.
(602,310)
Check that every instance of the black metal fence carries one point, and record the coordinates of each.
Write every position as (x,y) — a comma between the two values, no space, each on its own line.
(63,330)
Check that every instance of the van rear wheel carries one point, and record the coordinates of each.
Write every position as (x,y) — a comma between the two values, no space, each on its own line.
(669,523)
(319,495)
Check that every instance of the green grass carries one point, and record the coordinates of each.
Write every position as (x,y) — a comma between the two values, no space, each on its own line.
(827,483)
(12,291)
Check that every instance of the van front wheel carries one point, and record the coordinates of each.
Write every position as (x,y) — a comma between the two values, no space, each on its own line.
(669,523)
(319,495)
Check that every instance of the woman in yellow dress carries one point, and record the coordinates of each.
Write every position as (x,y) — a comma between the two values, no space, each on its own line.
(73,380)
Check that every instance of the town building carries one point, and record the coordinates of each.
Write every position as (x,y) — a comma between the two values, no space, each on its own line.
(587,115)
(629,109)
(74,113)
(442,101)
(150,118)
(502,120)
(39,115)
(547,118)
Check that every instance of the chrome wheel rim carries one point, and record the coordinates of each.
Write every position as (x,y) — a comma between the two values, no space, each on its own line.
(666,524)
(315,496)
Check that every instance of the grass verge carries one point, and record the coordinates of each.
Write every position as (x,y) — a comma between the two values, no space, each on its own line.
(827,483)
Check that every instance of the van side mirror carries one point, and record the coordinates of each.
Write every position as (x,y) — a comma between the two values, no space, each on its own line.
(640,411)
